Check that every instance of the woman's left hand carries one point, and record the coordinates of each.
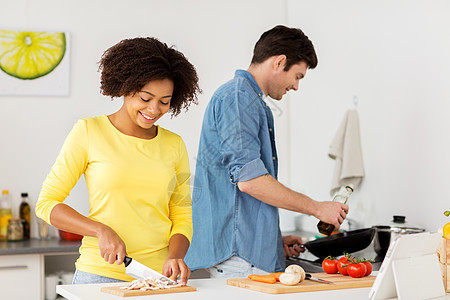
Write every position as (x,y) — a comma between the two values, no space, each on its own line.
(174,267)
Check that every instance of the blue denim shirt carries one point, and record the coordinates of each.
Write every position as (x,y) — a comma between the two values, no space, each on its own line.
(237,143)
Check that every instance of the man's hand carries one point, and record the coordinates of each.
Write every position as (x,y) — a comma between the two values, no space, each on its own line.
(332,213)
(293,250)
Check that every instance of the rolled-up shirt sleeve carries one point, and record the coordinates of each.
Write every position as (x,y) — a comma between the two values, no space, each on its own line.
(238,128)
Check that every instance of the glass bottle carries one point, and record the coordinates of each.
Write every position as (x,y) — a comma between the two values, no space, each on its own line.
(24,214)
(342,196)
(5,214)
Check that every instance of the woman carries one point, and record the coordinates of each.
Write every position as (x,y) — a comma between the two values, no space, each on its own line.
(137,173)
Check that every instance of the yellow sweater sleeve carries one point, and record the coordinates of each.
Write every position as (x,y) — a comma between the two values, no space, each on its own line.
(66,171)
(180,202)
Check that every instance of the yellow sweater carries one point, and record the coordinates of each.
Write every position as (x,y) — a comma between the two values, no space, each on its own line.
(140,188)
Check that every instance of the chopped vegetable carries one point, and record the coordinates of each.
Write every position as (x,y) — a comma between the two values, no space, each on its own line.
(263,278)
(290,278)
(276,275)
(296,269)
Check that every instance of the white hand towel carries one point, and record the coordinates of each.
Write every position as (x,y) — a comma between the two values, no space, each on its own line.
(345,149)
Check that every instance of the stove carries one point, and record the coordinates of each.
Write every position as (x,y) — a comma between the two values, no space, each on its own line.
(313,264)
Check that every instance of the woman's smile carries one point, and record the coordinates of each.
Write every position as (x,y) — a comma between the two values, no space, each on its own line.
(149,118)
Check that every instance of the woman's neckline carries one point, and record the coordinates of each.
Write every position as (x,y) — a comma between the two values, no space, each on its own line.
(158,131)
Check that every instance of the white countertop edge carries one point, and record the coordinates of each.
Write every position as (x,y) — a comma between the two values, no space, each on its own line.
(206,289)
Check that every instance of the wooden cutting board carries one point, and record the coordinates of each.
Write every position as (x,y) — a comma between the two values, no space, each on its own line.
(339,282)
(116,290)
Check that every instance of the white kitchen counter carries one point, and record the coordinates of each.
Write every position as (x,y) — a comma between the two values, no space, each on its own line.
(208,289)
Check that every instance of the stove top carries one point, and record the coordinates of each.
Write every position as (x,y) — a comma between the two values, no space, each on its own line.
(313,264)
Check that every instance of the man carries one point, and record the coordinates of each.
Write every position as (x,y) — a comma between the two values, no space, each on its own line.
(236,194)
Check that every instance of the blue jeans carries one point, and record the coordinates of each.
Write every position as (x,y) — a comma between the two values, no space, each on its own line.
(83,278)
(234,267)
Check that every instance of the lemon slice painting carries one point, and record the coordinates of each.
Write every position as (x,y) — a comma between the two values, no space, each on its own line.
(30,54)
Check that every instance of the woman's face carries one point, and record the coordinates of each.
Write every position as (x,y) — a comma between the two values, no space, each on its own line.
(150,104)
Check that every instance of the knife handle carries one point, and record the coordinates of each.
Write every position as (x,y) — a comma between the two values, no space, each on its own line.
(127,260)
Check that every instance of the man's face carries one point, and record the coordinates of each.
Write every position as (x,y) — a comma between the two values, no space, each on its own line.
(284,81)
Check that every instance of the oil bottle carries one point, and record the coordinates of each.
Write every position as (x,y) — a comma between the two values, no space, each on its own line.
(5,214)
(24,214)
(342,196)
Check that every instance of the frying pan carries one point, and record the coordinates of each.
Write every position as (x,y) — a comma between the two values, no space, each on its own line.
(338,244)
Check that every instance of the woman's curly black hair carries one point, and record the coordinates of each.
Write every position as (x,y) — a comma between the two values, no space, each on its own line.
(130,64)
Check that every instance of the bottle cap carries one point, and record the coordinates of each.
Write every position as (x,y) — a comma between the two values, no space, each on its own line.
(350,187)
(24,194)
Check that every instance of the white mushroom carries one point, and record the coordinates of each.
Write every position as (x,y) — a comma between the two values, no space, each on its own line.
(290,278)
(296,269)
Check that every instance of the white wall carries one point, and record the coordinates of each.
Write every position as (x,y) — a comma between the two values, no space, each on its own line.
(216,36)
(392,55)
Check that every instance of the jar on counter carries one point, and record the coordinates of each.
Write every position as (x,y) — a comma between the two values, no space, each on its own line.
(15,230)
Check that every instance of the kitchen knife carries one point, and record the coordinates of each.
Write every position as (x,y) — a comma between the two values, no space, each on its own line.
(139,271)
(309,277)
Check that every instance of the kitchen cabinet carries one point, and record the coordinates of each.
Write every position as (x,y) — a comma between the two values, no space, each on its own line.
(21,276)
(23,265)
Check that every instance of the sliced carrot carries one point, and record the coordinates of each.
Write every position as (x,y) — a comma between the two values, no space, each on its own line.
(276,275)
(263,278)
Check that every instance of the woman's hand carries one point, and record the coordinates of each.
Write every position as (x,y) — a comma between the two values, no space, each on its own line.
(174,267)
(112,248)
(111,245)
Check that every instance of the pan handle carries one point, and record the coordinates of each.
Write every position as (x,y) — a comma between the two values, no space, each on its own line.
(293,245)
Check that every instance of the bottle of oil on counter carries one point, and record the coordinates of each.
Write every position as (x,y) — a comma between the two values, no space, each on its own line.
(24,214)
(5,214)
(342,196)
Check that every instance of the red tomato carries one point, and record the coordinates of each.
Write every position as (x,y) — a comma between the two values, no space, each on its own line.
(342,265)
(369,267)
(357,270)
(329,266)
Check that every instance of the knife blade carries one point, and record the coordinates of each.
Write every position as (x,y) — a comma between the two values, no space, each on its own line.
(139,271)
(309,277)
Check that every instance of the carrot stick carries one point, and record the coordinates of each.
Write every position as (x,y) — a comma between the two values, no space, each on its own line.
(276,275)
(263,278)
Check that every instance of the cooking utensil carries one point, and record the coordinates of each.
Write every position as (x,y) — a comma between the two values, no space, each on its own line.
(310,277)
(69,236)
(338,244)
(385,234)
(139,271)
